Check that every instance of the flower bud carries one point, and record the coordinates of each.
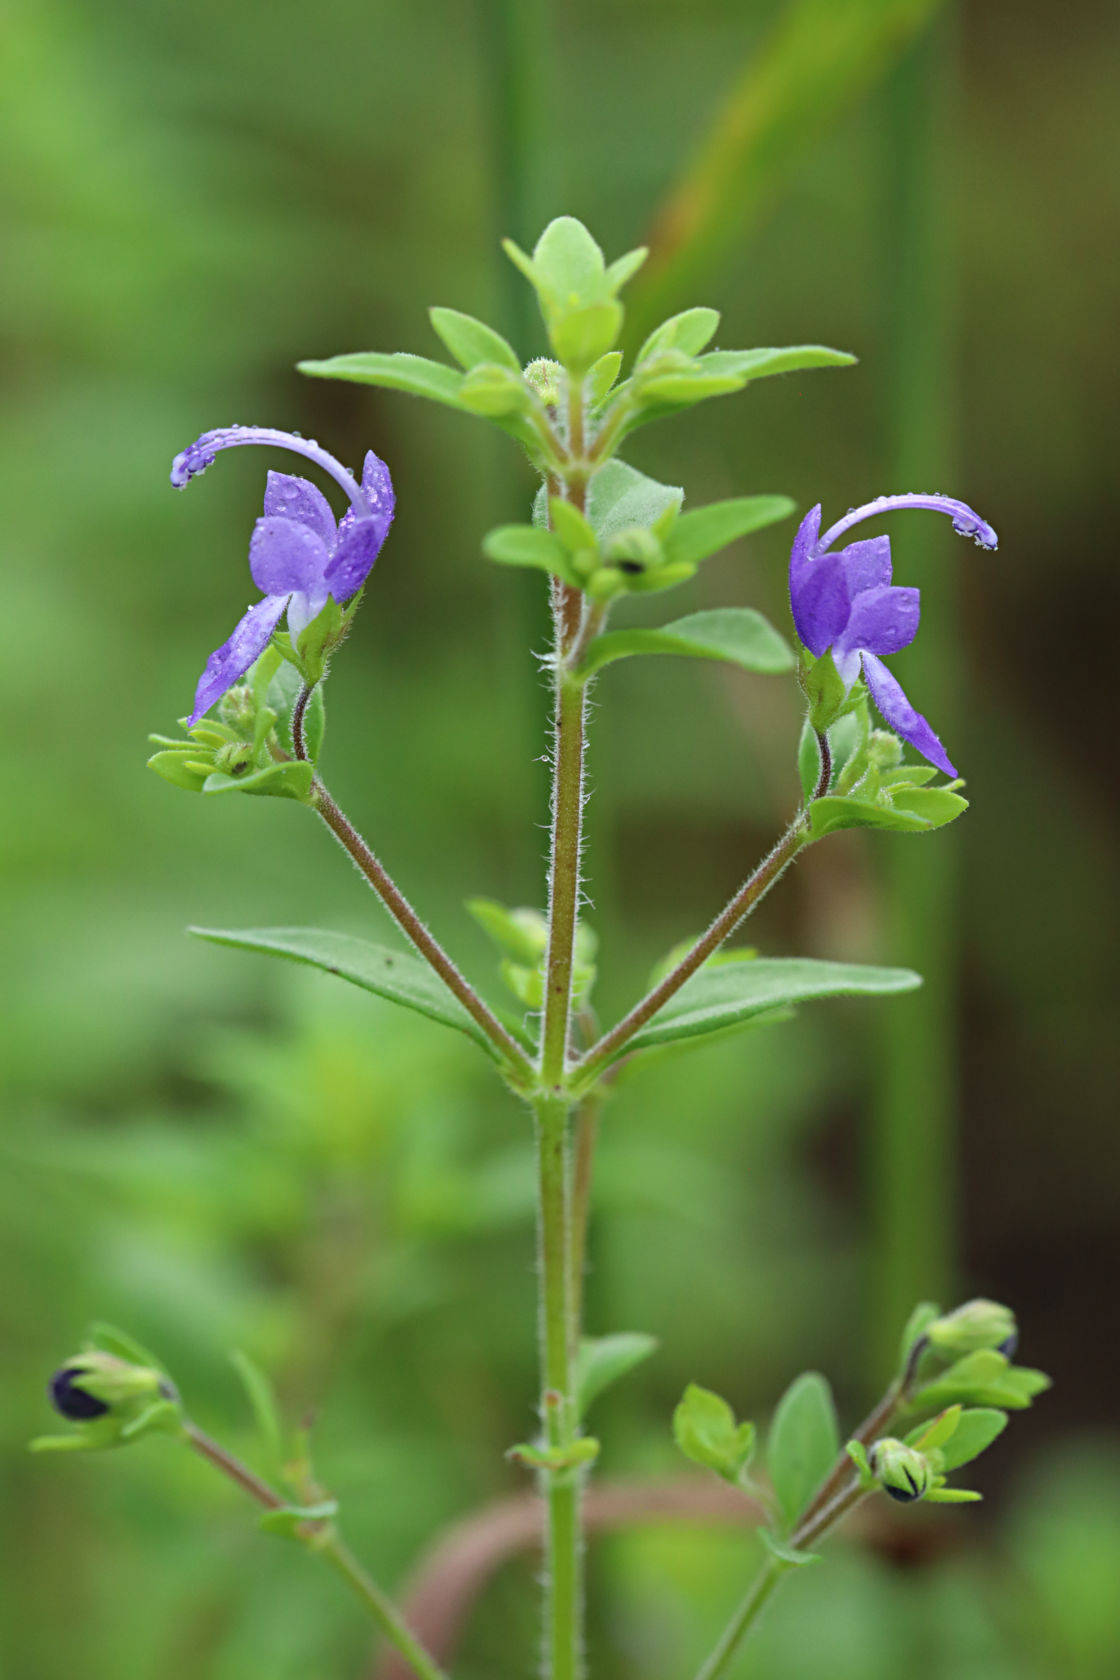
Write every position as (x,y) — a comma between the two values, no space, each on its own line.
(547,379)
(110,1401)
(235,759)
(634,550)
(884,750)
(903,1472)
(978,1324)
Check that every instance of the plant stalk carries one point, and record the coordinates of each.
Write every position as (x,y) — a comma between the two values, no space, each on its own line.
(328,1545)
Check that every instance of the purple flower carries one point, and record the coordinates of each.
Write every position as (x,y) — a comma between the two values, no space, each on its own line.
(844,601)
(299,555)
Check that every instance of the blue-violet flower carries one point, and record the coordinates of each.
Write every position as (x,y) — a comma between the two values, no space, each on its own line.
(844,602)
(299,555)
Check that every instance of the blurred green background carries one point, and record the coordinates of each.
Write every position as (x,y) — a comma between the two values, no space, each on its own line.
(218,1152)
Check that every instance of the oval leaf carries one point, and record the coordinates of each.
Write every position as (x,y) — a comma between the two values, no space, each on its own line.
(729,993)
(388,974)
(394,371)
(471,341)
(706,530)
(737,634)
(804,1443)
(604,1359)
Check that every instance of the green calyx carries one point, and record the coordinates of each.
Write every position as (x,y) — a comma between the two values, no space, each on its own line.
(248,746)
(109,1400)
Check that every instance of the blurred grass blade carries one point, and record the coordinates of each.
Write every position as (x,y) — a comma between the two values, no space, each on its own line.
(817,62)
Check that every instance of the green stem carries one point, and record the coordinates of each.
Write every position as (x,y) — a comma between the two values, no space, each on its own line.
(753,889)
(328,1545)
(558,1336)
(567,822)
(586,1136)
(741,1622)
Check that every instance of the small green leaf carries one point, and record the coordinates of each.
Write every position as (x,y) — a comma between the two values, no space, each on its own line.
(527,545)
(570,1457)
(262,1402)
(736,634)
(682,387)
(746,365)
(568,263)
(394,371)
(983,1379)
(911,811)
(624,268)
(604,1359)
(726,995)
(705,1430)
(916,1326)
(935,806)
(976,1429)
(790,1557)
(808,760)
(278,781)
(180,766)
(602,376)
(689,331)
(581,337)
(110,1339)
(619,496)
(804,1442)
(570,526)
(935,1434)
(952,1496)
(857,1452)
(388,974)
(289,1521)
(706,530)
(471,341)
(521,934)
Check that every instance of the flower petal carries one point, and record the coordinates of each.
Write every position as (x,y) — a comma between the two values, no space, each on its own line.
(285,555)
(358,548)
(867,564)
(897,711)
(288,497)
(966,521)
(379,493)
(818,595)
(883,620)
(229,663)
(303,606)
(804,543)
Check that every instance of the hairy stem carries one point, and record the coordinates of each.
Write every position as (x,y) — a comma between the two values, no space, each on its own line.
(567,822)
(583,1162)
(558,1333)
(328,1545)
(750,893)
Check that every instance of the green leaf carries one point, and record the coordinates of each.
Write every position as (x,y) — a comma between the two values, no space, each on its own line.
(952,1496)
(110,1339)
(394,371)
(737,634)
(581,337)
(911,811)
(570,1457)
(568,264)
(689,331)
(746,365)
(624,268)
(471,341)
(682,387)
(916,1326)
(528,545)
(181,767)
(602,376)
(984,1378)
(619,496)
(808,760)
(388,974)
(570,526)
(262,1402)
(278,781)
(521,934)
(728,994)
(976,1430)
(604,1359)
(706,530)
(804,1442)
(705,1430)
(790,1557)
(289,1520)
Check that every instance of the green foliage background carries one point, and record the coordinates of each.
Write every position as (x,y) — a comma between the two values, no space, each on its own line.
(220,1152)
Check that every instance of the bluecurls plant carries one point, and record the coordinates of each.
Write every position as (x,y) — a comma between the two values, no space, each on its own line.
(600,531)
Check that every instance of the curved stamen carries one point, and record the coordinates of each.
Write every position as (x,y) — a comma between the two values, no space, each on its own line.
(197,456)
(966,522)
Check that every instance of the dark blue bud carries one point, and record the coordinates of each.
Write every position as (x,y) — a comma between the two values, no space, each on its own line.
(73,1402)
(1009,1346)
